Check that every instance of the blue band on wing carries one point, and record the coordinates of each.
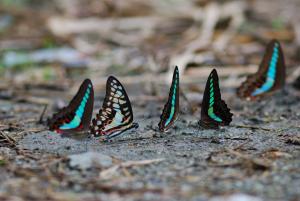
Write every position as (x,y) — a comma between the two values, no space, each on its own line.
(211,113)
(270,75)
(79,112)
(172,103)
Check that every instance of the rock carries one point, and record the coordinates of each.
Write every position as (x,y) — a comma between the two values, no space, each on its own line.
(89,159)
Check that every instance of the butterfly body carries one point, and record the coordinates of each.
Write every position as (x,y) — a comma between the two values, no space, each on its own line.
(269,77)
(171,108)
(214,111)
(115,116)
(76,117)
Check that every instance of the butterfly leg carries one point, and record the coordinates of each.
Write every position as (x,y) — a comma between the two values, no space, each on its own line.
(109,137)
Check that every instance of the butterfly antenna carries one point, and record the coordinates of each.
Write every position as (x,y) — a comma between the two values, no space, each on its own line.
(41,119)
(86,147)
(86,142)
(185,98)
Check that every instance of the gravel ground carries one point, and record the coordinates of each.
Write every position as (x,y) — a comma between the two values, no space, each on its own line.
(255,155)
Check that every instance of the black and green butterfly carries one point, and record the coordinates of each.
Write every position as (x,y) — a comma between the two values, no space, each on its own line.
(171,108)
(116,116)
(76,117)
(214,111)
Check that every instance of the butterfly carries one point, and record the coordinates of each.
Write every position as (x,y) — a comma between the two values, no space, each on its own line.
(115,116)
(214,111)
(269,77)
(76,117)
(171,108)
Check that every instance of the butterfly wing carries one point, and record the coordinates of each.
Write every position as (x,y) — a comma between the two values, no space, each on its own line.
(76,117)
(269,77)
(214,111)
(296,83)
(171,108)
(116,115)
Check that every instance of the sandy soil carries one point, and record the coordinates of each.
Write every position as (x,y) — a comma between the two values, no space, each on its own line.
(255,155)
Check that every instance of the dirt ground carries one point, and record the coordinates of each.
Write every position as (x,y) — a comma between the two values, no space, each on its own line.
(258,154)
(48,47)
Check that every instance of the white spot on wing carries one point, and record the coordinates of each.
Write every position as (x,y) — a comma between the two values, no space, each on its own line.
(119,93)
(122,101)
(115,105)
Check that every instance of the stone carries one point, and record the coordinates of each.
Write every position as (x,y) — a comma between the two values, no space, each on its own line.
(89,159)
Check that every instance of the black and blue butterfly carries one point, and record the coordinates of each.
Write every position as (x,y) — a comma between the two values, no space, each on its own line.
(76,117)
(171,108)
(115,117)
(214,111)
(270,76)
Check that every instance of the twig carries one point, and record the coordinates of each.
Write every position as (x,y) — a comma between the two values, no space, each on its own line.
(110,171)
(295,140)
(238,154)
(110,188)
(213,13)
(254,163)
(101,26)
(219,138)
(130,140)
(253,127)
(241,145)
(24,152)
(128,164)
(34,130)
(11,142)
